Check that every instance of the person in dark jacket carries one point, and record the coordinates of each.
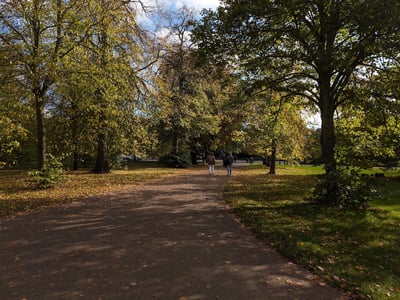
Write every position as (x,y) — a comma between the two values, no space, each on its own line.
(228,161)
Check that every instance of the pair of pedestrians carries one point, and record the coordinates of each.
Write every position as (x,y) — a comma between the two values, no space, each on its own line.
(227,162)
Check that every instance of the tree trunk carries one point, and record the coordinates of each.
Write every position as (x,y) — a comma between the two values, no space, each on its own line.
(175,144)
(75,163)
(40,131)
(272,166)
(328,142)
(75,140)
(101,165)
(193,152)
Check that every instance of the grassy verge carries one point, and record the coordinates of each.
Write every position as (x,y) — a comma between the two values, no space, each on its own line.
(355,250)
(17,192)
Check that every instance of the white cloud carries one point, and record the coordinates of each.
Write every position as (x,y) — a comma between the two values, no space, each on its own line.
(148,17)
(196,4)
(176,4)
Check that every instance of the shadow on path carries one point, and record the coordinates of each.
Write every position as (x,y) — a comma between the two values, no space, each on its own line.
(170,239)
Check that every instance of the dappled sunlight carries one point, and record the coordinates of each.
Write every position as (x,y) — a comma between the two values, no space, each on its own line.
(18,193)
(166,239)
(356,249)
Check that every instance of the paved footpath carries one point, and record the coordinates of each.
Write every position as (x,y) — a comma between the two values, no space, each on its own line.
(170,239)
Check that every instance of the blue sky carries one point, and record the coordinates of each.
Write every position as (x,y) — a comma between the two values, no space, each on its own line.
(193,4)
(147,19)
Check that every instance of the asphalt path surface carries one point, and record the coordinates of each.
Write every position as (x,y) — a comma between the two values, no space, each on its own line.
(169,239)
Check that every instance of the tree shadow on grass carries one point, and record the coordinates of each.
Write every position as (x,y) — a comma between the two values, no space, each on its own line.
(166,240)
(353,248)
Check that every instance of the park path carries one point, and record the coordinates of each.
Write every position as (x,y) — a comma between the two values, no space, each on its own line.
(168,239)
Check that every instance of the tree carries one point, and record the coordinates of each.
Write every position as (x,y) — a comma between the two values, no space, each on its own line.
(274,128)
(188,102)
(310,49)
(70,127)
(106,72)
(369,128)
(39,33)
(12,112)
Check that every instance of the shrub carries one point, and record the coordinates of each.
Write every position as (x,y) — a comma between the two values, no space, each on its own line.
(49,175)
(174,161)
(352,189)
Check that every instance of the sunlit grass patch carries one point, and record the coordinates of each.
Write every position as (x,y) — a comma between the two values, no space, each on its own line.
(356,250)
(301,170)
(391,196)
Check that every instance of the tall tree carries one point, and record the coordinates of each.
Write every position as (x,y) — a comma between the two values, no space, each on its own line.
(308,48)
(187,105)
(40,33)
(110,63)
(70,127)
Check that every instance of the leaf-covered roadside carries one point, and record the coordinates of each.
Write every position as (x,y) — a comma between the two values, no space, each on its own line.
(18,193)
(356,250)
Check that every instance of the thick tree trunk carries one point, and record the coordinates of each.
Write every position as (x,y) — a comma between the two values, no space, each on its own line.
(40,131)
(193,152)
(75,163)
(328,143)
(272,165)
(101,165)
(193,158)
(328,140)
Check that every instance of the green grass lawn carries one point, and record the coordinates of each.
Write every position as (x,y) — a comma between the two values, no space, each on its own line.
(356,250)
(18,192)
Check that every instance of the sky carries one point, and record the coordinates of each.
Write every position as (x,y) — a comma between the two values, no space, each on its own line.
(195,4)
(148,19)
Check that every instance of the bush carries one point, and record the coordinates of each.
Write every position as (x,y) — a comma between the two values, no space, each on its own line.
(174,161)
(49,175)
(349,188)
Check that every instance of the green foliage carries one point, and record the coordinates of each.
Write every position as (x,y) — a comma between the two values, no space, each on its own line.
(316,50)
(82,68)
(88,69)
(11,136)
(194,96)
(268,117)
(352,188)
(368,130)
(49,175)
(36,38)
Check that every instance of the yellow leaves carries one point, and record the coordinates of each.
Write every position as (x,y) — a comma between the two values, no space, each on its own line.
(238,136)
(16,194)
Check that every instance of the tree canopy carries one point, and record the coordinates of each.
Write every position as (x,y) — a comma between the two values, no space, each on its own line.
(85,82)
(314,49)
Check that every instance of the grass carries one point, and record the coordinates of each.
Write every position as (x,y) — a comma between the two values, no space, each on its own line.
(356,250)
(18,194)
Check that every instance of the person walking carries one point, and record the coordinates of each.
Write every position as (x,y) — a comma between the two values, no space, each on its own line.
(228,161)
(211,163)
